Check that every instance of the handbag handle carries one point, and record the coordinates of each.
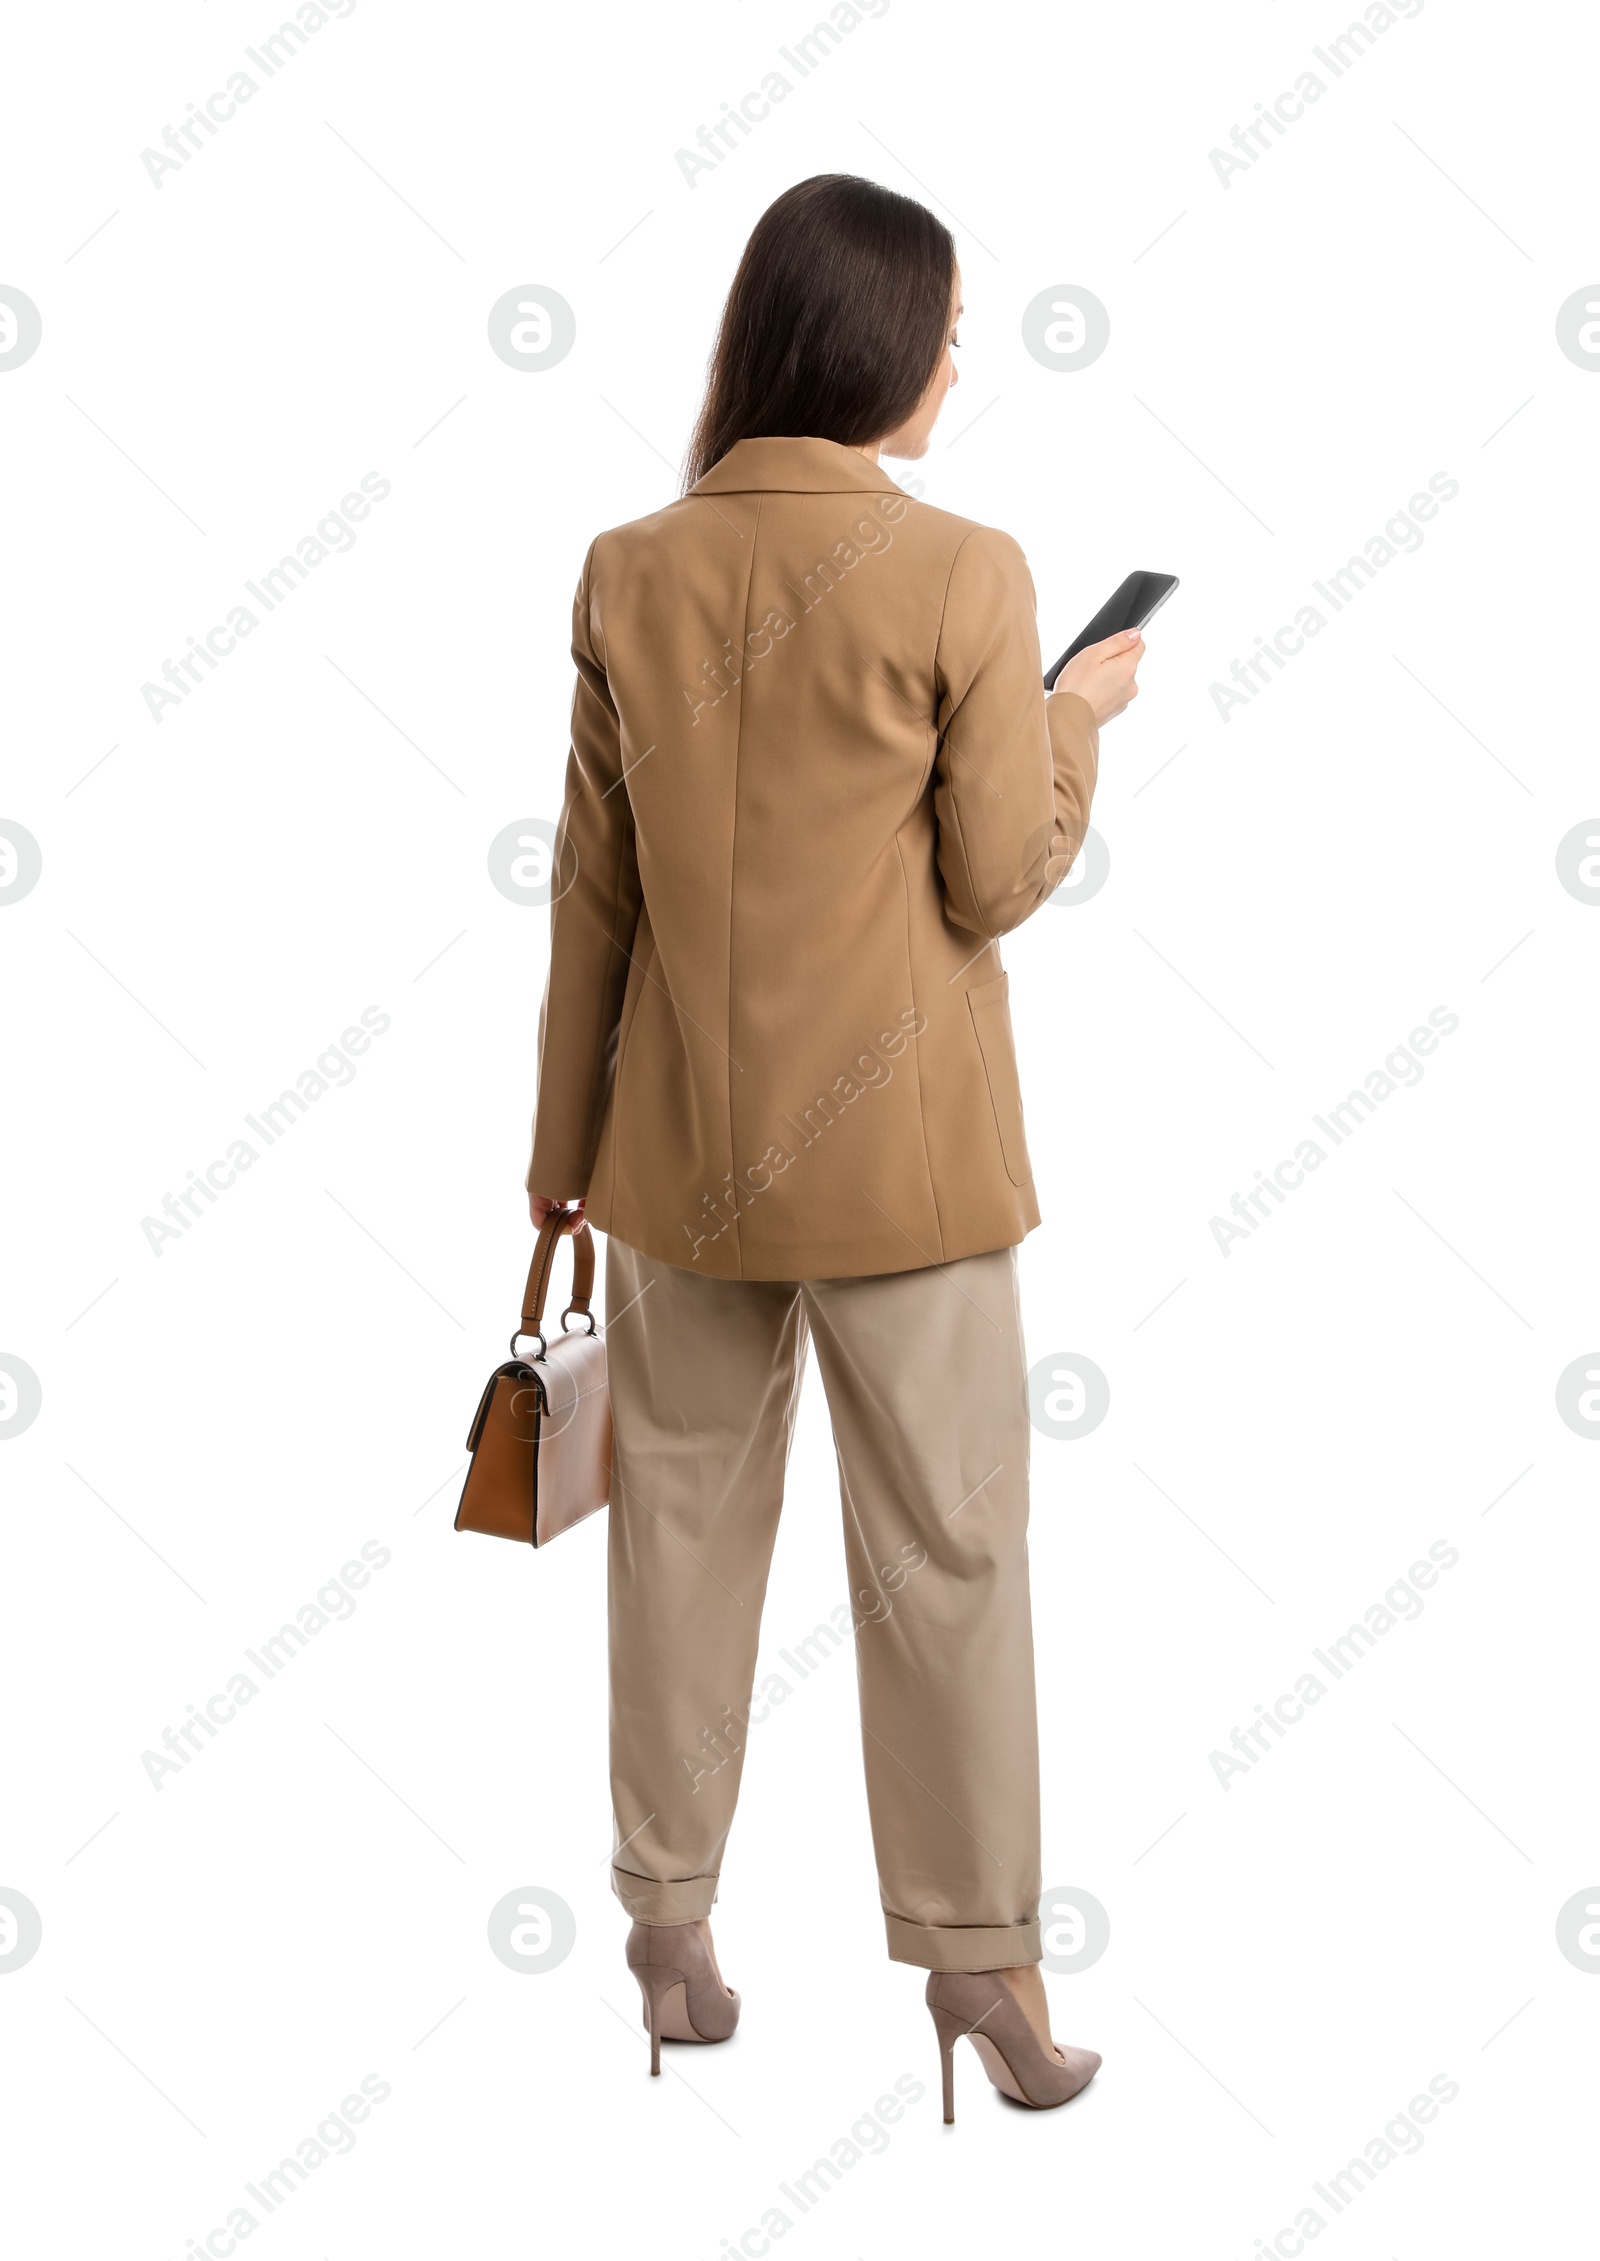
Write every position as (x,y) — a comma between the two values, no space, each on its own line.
(540,1269)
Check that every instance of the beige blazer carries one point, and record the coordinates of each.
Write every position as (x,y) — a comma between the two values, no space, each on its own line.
(813,775)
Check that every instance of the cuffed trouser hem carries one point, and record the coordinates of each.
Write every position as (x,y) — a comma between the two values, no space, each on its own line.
(684,1899)
(965,1947)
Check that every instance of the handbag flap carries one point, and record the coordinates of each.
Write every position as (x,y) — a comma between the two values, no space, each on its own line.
(498,1495)
(572,1368)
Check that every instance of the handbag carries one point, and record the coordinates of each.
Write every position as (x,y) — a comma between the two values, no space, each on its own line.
(541,1438)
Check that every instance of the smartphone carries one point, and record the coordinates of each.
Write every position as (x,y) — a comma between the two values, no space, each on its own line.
(1140,597)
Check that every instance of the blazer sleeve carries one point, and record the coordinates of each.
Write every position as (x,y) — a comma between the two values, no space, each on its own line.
(594,915)
(1015,769)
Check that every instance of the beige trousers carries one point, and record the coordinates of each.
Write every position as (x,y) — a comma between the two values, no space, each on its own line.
(925,1379)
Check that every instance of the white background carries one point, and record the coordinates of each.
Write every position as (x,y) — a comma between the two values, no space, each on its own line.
(305,1902)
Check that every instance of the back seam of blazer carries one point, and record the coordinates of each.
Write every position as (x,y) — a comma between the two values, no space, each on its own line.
(733,857)
(905,892)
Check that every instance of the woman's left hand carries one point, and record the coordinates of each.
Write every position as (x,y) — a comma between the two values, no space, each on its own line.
(541,1204)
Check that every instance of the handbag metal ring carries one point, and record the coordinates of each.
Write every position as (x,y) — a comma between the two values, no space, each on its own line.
(567,1314)
(535,1334)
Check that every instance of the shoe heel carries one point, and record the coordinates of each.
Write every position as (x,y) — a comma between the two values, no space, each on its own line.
(949,2029)
(655,1985)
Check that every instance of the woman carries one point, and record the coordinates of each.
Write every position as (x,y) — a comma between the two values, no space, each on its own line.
(814,775)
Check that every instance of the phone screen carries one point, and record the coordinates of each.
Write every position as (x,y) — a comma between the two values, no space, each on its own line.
(1138,599)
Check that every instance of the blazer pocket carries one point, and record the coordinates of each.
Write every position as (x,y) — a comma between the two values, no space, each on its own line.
(991,1017)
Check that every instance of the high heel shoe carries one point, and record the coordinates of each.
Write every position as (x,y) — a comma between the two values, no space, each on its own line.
(684,1999)
(980,2005)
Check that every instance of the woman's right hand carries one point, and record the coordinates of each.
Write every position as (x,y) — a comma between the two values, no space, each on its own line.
(1103,674)
(540,1206)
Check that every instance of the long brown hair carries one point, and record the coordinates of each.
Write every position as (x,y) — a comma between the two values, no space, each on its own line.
(835,321)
